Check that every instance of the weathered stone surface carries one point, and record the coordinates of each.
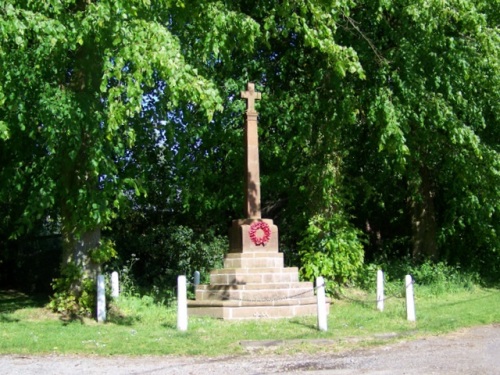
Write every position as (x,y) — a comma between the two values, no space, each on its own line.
(252,171)
(240,241)
(254,260)
(263,293)
(254,292)
(221,311)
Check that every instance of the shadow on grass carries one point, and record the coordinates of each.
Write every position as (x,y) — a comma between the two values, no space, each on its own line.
(113,317)
(169,325)
(123,320)
(466,301)
(11,300)
(5,318)
(116,316)
(70,318)
(304,324)
(492,283)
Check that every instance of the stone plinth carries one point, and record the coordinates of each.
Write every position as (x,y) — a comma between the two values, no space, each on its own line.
(240,241)
(237,310)
(254,282)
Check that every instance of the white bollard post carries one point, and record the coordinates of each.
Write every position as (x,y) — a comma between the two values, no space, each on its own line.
(321,300)
(410,303)
(101,299)
(182,318)
(380,290)
(196,278)
(115,288)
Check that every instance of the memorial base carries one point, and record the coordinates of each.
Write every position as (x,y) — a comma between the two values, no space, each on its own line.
(254,282)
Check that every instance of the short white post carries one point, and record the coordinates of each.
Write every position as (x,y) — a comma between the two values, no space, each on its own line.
(101,299)
(182,318)
(196,278)
(320,295)
(410,303)
(115,288)
(380,290)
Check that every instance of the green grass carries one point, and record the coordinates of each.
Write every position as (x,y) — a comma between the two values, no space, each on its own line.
(138,326)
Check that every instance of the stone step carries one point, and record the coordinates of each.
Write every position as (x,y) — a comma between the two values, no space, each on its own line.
(236,303)
(254,282)
(235,311)
(253,271)
(241,276)
(254,260)
(292,285)
(228,292)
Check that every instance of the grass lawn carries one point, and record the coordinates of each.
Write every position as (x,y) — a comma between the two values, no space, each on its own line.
(142,327)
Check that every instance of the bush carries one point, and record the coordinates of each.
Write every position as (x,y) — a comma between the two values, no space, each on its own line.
(331,248)
(70,301)
(150,260)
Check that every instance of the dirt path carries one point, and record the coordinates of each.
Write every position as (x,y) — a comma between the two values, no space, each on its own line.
(471,351)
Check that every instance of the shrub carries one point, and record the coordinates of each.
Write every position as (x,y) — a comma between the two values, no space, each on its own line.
(331,248)
(69,300)
(151,259)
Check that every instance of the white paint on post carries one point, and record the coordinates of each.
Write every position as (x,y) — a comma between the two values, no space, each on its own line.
(101,299)
(182,317)
(410,302)
(380,290)
(320,295)
(196,278)
(115,288)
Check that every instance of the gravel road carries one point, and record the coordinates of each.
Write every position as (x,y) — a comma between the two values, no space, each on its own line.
(471,351)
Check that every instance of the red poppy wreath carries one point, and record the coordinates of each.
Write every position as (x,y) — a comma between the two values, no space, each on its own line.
(260,233)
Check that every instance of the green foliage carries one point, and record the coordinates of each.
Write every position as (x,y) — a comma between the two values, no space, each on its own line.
(302,61)
(76,78)
(128,284)
(432,278)
(366,278)
(385,112)
(427,140)
(442,278)
(71,301)
(4,131)
(332,249)
(104,252)
(153,253)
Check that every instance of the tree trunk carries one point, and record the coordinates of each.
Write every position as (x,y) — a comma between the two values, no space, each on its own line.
(76,252)
(423,218)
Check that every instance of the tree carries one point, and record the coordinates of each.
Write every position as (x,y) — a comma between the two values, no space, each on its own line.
(83,80)
(428,123)
(76,75)
(385,113)
(379,116)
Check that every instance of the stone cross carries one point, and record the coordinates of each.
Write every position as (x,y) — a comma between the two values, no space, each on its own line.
(251,96)
(252,173)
